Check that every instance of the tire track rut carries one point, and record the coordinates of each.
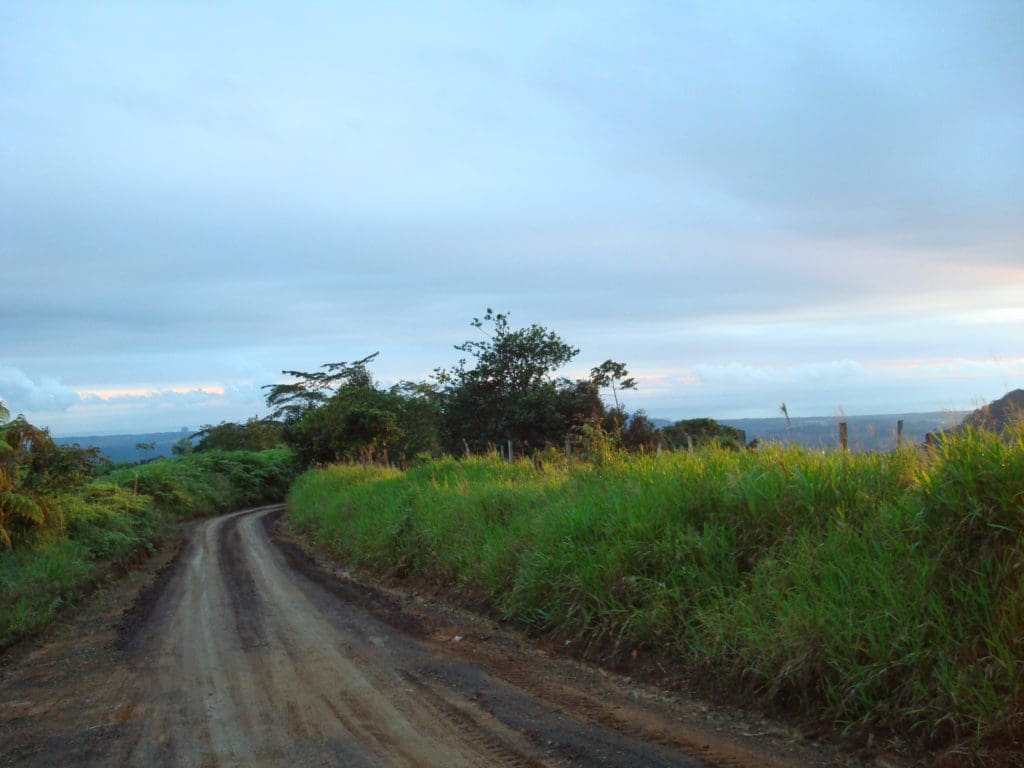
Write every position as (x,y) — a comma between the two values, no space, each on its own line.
(243,652)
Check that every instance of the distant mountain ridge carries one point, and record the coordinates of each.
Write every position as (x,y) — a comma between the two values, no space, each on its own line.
(875,432)
(122,447)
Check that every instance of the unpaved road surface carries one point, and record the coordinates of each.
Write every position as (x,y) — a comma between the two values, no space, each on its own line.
(242,651)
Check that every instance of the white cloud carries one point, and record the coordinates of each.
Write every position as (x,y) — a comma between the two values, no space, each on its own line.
(47,402)
(23,394)
(742,373)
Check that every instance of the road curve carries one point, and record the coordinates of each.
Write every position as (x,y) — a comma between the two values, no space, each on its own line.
(240,657)
(246,662)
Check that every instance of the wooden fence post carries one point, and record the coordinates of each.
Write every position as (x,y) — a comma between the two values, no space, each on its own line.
(899,433)
(510,454)
(843,441)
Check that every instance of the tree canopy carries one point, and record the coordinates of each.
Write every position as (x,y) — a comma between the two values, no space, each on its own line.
(510,389)
(293,400)
(508,386)
(253,435)
(701,432)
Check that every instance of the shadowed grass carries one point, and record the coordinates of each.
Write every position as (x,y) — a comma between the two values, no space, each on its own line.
(879,590)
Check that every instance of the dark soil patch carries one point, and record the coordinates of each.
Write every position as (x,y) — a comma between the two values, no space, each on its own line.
(371,600)
(246,603)
(138,614)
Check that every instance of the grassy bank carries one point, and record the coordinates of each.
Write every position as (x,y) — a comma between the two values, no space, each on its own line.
(118,518)
(877,590)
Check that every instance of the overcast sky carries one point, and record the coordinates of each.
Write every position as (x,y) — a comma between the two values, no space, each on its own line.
(746,202)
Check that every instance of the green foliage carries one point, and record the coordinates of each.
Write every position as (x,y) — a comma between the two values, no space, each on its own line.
(364,423)
(353,424)
(82,529)
(884,590)
(511,392)
(341,413)
(640,433)
(181,447)
(36,583)
(310,390)
(514,360)
(210,482)
(632,432)
(975,493)
(614,376)
(32,466)
(701,432)
(254,435)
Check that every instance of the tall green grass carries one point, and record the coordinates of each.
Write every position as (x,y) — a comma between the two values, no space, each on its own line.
(881,590)
(119,518)
(211,482)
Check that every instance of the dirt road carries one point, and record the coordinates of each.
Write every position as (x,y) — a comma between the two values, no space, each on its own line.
(243,651)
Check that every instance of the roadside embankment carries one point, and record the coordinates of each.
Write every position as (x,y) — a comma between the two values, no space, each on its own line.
(88,532)
(882,592)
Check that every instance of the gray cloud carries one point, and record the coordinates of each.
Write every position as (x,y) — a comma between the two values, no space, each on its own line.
(838,118)
(194,195)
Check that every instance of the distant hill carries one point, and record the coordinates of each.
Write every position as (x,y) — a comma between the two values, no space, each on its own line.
(122,447)
(999,414)
(865,433)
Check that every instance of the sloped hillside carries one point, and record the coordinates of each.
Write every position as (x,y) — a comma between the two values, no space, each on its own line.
(999,414)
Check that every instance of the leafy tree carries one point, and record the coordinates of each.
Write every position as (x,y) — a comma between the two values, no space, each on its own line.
(419,419)
(341,413)
(639,434)
(511,390)
(182,447)
(254,435)
(57,467)
(310,390)
(506,387)
(612,375)
(701,432)
(354,423)
(514,361)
